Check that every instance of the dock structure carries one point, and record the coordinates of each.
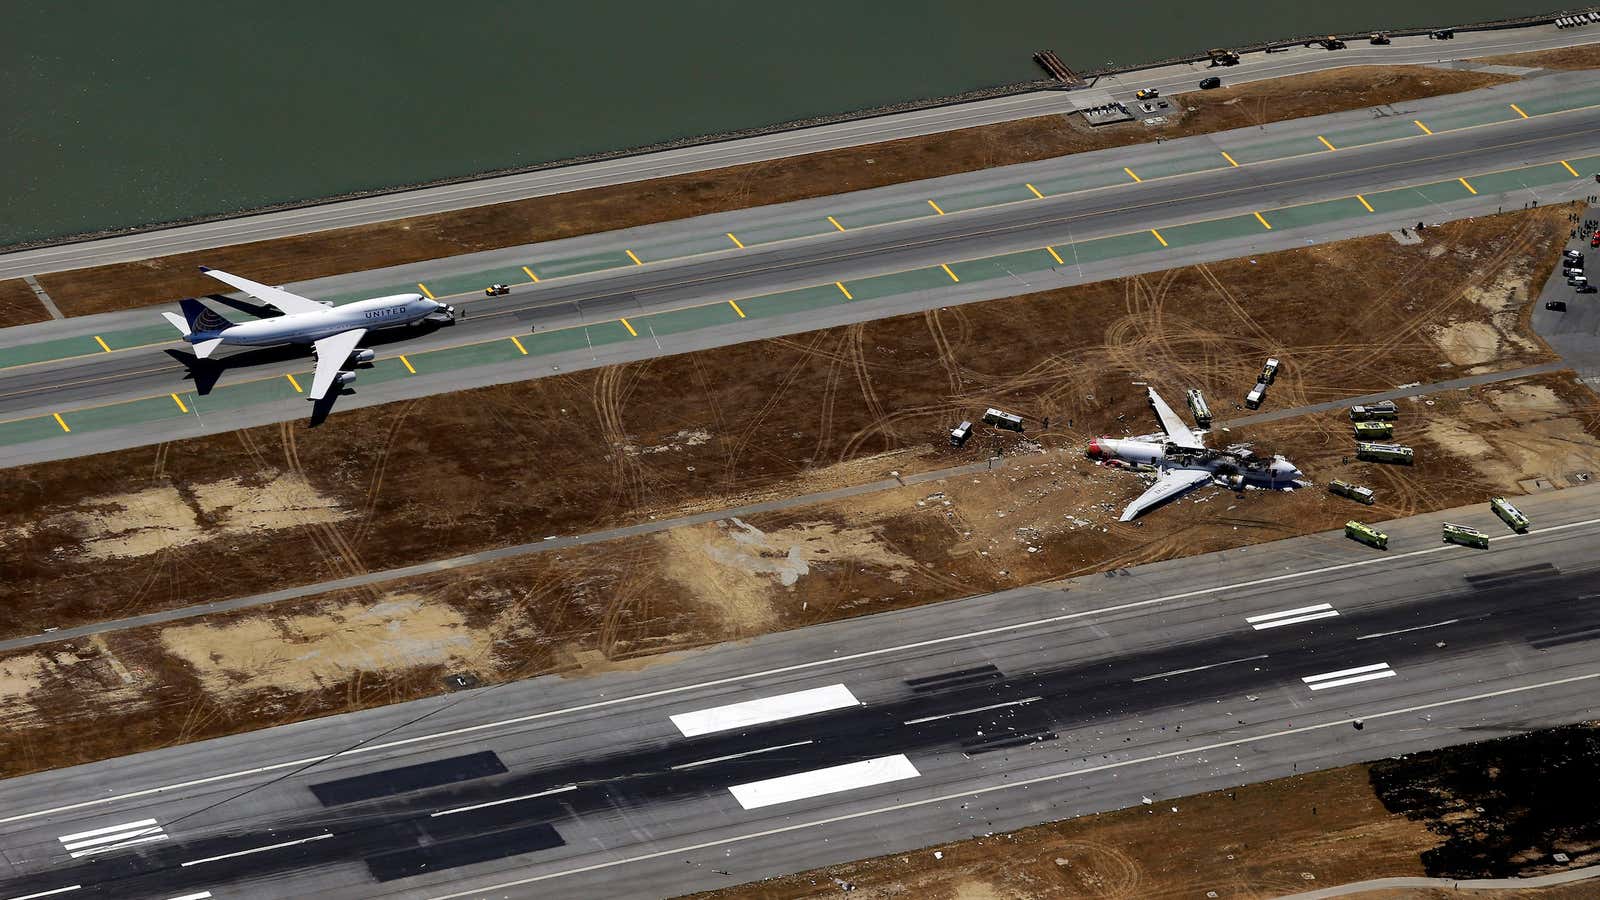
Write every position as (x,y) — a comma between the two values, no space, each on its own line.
(1055,68)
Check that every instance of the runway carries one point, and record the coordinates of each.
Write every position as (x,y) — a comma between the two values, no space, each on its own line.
(81,386)
(382,207)
(861,737)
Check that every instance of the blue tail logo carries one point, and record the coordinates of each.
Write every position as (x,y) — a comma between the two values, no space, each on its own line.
(202,319)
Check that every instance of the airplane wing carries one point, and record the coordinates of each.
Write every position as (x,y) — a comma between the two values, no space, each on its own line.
(1177,432)
(331,355)
(1171,483)
(282,299)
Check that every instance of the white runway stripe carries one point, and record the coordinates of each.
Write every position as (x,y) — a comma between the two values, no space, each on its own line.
(1292,616)
(764,710)
(112,837)
(69,839)
(1348,676)
(60,890)
(832,780)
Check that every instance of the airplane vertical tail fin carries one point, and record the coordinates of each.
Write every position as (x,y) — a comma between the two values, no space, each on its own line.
(202,319)
(177,322)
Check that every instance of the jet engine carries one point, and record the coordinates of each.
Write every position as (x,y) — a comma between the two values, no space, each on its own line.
(362,356)
(344,378)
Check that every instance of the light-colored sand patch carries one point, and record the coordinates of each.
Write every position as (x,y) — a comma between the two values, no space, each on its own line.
(1527,398)
(1468,343)
(19,677)
(160,518)
(309,652)
(742,571)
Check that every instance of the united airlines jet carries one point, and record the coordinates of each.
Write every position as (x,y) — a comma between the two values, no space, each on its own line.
(333,331)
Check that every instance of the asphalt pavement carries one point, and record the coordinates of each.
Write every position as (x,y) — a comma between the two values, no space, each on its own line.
(874,735)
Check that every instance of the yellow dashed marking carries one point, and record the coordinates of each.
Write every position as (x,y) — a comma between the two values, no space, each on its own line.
(1569,168)
(531,276)
(1518,110)
(634,258)
(1159,237)
(101,341)
(179,400)
(1425,129)
(1035,191)
(1130,174)
(521,349)
(844,290)
(1468,186)
(936,207)
(736,308)
(63,423)
(734,239)
(946,268)
(294,384)
(1365,203)
(407,364)
(1326,142)
(1229,159)
(425,292)
(628,326)
(1056,256)
(1263,220)
(835,223)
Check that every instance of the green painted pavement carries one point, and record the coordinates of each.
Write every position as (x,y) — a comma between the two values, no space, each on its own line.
(1283,149)
(139,337)
(38,428)
(578,265)
(558,341)
(608,333)
(1315,213)
(802,300)
(1214,230)
(1561,101)
(150,409)
(1392,129)
(1006,266)
(247,393)
(1587,166)
(1186,165)
(1011,193)
(387,368)
(1083,181)
(62,348)
(690,319)
(1466,118)
(677,249)
(1517,179)
(785,231)
(899,283)
(882,215)
(368,294)
(1109,247)
(474,282)
(465,357)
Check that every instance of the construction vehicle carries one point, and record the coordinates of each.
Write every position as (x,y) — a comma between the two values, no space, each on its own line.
(1223,57)
(1366,534)
(1380,37)
(1466,537)
(1197,406)
(1373,430)
(1331,43)
(1509,514)
(1353,491)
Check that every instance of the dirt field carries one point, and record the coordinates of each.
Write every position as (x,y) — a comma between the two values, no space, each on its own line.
(163,279)
(19,305)
(1586,56)
(1268,840)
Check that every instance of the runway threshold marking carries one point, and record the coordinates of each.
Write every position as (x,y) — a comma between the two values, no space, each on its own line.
(316,837)
(531,277)
(821,782)
(716,759)
(1229,159)
(1425,129)
(1518,110)
(967,712)
(1131,175)
(407,364)
(736,241)
(946,268)
(1012,785)
(425,292)
(736,308)
(1365,203)
(1468,185)
(1326,142)
(764,710)
(1291,616)
(1035,191)
(843,290)
(835,223)
(102,342)
(520,348)
(841,659)
(1263,220)
(936,207)
(293,383)
(626,324)
(1056,256)
(462,809)
(1349,676)
(1569,168)
(62,422)
(634,258)
(179,400)
(1159,237)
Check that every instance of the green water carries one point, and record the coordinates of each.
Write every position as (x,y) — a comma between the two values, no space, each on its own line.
(122,114)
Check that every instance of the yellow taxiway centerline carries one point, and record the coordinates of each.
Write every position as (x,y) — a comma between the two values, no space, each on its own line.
(735,240)
(531,276)
(1326,142)
(1056,256)
(1365,203)
(101,341)
(634,258)
(294,383)
(1035,191)
(62,422)
(407,364)
(936,207)
(1518,110)
(179,400)
(1159,237)
(736,308)
(844,290)
(1229,159)
(1569,168)
(946,268)
(1425,129)
(1263,220)
(1468,186)
(523,350)
(425,292)
(1131,175)
(835,223)
(625,324)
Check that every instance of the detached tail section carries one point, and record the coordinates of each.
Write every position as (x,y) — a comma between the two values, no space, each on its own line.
(200,324)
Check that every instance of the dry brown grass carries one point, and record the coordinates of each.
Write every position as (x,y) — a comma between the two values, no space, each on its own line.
(323,253)
(19,305)
(1586,56)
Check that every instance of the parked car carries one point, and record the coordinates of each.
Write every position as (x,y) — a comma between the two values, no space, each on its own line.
(1557,305)
(1147,94)
(1210,83)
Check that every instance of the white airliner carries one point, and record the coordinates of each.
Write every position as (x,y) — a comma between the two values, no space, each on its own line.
(333,331)
(1179,453)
